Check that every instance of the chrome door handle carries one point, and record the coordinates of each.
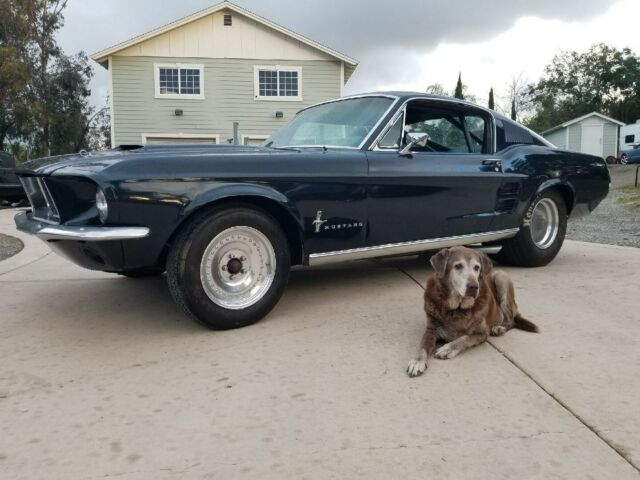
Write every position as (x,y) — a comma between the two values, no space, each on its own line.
(495,165)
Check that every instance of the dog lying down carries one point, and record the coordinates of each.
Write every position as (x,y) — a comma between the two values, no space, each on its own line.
(465,301)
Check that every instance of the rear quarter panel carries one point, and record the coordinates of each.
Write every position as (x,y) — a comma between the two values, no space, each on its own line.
(584,178)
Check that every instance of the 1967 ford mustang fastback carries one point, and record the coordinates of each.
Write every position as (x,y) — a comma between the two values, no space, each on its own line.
(358,177)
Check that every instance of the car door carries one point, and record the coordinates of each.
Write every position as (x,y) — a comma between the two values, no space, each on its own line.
(447,188)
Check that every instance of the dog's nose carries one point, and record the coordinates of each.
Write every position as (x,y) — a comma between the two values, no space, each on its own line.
(472,290)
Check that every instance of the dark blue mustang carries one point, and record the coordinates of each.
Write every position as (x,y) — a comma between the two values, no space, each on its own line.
(359,177)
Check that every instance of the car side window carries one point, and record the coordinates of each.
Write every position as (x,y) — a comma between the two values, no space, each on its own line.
(477,128)
(446,131)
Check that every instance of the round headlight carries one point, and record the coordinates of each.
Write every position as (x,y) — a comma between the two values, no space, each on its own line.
(102,206)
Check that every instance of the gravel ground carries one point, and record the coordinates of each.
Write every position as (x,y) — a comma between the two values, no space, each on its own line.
(9,246)
(611,223)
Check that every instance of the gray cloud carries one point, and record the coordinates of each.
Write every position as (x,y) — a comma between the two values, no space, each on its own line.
(385,36)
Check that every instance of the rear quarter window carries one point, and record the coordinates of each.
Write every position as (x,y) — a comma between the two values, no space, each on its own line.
(509,133)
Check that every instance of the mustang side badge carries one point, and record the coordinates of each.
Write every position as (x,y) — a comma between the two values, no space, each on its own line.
(342,224)
(318,222)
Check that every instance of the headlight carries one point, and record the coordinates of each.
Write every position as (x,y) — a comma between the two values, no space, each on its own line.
(102,206)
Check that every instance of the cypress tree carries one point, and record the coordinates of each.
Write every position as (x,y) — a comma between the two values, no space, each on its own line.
(492,105)
(458,93)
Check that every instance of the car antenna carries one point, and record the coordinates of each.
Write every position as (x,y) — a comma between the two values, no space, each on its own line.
(324,148)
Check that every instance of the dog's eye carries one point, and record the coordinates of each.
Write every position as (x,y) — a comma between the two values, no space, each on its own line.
(477,268)
(458,266)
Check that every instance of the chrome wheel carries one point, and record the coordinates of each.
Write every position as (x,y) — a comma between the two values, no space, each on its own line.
(545,223)
(624,159)
(238,267)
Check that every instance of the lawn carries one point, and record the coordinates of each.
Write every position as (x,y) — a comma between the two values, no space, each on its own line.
(630,197)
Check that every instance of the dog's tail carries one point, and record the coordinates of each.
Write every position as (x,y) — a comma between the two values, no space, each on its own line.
(524,324)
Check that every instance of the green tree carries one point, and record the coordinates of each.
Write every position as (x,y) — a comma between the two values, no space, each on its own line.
(43,92)
(602,79)
(514,113)
(492,104)
(437,89)
(15,68)
(459,91)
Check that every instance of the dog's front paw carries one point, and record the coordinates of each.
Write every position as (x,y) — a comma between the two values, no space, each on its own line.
(499,330)
(416,367)
(445,352)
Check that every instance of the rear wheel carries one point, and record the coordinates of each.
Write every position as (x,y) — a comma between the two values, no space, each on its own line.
(541,235)
(228,269)
(624,159)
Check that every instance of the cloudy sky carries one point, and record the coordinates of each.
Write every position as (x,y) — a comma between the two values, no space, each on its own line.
(404,44)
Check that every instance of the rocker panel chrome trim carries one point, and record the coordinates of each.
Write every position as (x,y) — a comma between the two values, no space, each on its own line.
(406,248)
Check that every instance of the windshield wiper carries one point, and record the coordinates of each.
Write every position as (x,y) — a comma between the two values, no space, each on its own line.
(295,149)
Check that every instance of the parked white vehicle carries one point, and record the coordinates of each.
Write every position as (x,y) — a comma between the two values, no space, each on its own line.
(629,139)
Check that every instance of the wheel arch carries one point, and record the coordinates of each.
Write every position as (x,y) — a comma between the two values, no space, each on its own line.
(264,199)
(564,188)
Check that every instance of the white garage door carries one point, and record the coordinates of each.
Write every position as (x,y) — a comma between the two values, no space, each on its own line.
(150,139)
(254,139)
(592,136)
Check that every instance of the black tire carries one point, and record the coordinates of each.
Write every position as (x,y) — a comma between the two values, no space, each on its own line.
(142,272)
(624,159)
(186,255)
(521,250)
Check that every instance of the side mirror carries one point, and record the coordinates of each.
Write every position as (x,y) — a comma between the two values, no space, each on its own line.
(420,141)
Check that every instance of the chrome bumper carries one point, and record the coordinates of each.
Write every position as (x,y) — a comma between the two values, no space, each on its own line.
(46,231)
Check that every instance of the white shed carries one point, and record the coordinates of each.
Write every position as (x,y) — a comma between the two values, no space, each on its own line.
(593,133)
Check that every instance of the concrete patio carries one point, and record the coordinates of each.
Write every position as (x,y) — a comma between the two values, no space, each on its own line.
(101,376)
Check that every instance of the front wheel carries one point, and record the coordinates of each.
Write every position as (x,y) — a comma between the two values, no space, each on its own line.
(228,269)
(541,235)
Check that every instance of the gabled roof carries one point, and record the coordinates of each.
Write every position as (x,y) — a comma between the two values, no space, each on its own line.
(583,117)
(102,56)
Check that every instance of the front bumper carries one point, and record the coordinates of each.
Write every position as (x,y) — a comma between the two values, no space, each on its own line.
(25,223)
(94,248)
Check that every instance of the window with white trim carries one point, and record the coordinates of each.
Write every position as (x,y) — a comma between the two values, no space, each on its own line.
(275,82)
(179,81)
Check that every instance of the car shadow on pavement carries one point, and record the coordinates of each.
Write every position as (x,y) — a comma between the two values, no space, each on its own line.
(114,307)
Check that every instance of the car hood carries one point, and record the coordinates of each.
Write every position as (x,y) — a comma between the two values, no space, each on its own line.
(93,162)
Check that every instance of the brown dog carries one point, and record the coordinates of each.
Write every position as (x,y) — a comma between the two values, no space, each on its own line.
(465,301)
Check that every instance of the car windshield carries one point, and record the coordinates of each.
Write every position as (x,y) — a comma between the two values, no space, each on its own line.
(344,123)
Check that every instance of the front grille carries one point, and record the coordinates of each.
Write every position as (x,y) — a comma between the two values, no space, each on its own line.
(42,204)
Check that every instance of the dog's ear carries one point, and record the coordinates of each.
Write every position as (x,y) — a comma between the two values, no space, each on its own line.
(487,264)
(439,261)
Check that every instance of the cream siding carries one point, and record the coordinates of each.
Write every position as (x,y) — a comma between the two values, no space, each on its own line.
(610,140)
(209,38)
(228,97)
(570,137)
(558,138)
(574,137)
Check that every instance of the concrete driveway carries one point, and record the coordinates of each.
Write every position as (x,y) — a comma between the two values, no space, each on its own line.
(102,377)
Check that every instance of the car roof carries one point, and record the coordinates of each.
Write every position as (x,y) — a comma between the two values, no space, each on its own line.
(407,94)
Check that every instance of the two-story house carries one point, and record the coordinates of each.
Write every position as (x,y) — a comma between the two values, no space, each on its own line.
(190,80)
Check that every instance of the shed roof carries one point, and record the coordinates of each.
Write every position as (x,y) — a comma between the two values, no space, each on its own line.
(579,119)
(103,55)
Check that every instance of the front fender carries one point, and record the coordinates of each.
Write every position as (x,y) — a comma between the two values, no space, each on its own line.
(239,191)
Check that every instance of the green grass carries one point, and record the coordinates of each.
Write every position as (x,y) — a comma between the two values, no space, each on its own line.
(629,197)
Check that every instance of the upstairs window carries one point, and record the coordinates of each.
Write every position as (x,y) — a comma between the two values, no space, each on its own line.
(179,81)
(278,83)
(227,20)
